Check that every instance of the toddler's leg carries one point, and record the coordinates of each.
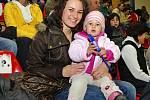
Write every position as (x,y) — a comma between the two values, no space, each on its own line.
(78,87)
(109,88)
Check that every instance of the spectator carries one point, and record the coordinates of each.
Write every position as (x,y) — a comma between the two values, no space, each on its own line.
(119,11)
(144,15)
(133,17)
(93,4)
(104,8)
(94,25)
(132,64)
(115,30)
(23,16)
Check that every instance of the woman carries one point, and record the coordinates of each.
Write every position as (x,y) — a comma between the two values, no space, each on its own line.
(24,15)
(114,29)
(132,65)
(49,65)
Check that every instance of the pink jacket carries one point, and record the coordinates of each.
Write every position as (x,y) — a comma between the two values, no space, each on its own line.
(78,49)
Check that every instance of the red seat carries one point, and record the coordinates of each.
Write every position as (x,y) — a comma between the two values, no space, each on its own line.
(2,14)
(138,95)
(8,64)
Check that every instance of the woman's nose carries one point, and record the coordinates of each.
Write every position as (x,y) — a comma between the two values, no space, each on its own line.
(75,14)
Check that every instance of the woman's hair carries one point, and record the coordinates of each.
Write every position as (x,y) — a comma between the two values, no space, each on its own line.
(111,16)
(137,29)
(50,5)
(58,11)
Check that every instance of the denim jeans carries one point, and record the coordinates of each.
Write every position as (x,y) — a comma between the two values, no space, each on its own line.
(7,44)
(94,93)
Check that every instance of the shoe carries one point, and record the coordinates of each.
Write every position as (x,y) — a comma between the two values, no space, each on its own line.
(121,97)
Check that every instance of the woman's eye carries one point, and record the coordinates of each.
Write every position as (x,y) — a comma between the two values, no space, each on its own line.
(80,12)
(71,10)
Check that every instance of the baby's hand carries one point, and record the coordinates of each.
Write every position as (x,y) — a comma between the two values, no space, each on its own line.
(103,52)
(91,49)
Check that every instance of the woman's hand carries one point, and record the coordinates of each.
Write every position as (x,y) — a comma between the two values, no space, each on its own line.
(73,69)
(100,71)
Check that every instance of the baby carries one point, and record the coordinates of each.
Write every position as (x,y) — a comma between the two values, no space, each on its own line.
(82,50)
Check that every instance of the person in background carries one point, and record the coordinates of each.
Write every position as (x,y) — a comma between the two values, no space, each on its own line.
(144,15)
(104,8)
(133,17)
(115,30)
(148,57)
(5,44)
(22,16)
(93,5)
(132,64)
(94,24)
(119,11)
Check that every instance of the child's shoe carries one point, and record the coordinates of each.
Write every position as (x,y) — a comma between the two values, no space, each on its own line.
(121,97)
(117,96)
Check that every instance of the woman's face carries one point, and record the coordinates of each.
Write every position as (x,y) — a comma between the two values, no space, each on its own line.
(141,38)
(72,13)
(114,22)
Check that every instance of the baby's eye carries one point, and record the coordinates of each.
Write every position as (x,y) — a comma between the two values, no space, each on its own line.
(90,23)
(97,24)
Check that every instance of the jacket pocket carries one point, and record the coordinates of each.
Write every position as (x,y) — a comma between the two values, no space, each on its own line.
(56,52)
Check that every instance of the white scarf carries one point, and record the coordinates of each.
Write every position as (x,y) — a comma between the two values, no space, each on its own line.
(25,11)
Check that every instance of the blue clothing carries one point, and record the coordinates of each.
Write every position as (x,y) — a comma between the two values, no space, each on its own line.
(7,44)
(94,93)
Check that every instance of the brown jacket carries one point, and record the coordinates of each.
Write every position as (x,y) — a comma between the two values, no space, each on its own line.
(48,55)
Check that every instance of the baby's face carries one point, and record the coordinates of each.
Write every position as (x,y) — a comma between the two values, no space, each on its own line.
(93,27)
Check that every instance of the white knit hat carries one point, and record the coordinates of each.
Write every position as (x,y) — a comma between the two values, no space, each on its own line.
(95,15)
